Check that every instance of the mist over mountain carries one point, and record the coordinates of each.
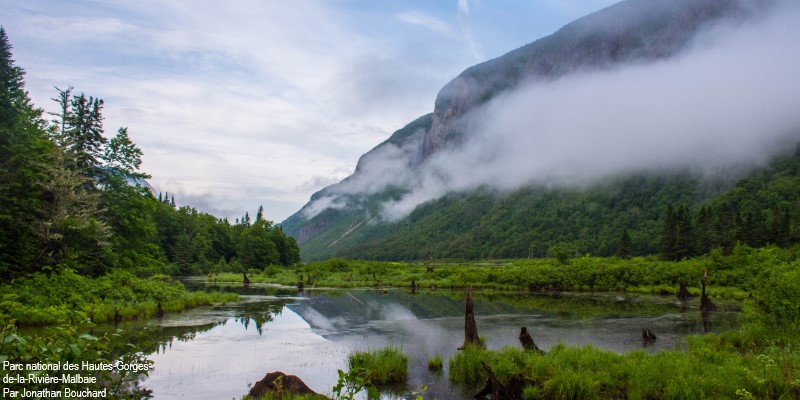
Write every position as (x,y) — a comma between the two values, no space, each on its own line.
(655,87)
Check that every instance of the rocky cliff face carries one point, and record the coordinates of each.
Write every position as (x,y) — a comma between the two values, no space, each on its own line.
(630,31)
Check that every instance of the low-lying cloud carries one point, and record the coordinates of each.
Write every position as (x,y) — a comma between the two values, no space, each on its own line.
(729,99)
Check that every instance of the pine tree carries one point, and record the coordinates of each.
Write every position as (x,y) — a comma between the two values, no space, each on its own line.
(83,136)
(12,85)
(669,234)
(625,246)
(260,213)
(24,152)
(60,122)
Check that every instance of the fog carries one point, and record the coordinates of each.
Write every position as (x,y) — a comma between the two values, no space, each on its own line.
(731,98)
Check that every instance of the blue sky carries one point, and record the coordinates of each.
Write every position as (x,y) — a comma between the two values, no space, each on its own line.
(241,103)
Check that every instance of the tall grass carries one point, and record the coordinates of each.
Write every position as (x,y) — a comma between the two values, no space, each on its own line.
(381,366)
(435,363)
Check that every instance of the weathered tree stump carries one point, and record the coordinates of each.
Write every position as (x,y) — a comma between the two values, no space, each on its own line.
(279,384)
(246,280)
(496,390)
(527,341)
(470,327)
(705,302)
(683,291)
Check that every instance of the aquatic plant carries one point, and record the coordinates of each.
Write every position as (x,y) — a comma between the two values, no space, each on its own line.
(380,366)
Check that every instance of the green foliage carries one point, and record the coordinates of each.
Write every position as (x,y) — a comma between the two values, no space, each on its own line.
(118,294)
(352,383)
(71,344)
(380,366)
(778,299)
(732,276)
(465,366)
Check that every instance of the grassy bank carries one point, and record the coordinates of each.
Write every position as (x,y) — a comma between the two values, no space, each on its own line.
(761,359)
(46,299)
(731,276)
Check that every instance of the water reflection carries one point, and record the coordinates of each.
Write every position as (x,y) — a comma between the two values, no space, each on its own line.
(214,353)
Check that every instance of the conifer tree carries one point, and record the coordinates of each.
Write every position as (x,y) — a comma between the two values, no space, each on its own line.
(625,246)
(122,157)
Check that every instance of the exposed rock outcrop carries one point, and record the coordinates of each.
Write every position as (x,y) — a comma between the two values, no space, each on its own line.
(279,384)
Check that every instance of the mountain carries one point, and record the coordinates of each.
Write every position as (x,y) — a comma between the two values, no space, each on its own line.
(378,211)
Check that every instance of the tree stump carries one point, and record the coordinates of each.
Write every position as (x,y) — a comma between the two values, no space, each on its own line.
(527,341)
(683,291)
(159,310)
(470,328)
(705,302)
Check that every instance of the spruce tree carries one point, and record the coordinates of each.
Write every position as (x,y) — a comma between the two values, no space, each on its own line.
(122,157)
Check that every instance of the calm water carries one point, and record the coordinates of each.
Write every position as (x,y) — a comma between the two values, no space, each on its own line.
(215,353)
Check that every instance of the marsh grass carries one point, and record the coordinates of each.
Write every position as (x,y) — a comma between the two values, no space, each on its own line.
(118,293)
(713,367)
(435,363)
(384,366)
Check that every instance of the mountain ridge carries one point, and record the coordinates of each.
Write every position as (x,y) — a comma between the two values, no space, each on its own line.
(632,31)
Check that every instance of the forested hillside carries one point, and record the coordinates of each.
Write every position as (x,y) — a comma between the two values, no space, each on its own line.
(681,215)
(455,184)
(71,197)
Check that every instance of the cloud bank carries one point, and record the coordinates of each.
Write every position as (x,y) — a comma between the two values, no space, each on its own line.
(729,99)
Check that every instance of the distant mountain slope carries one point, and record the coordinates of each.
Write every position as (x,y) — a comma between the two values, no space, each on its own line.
(346,219)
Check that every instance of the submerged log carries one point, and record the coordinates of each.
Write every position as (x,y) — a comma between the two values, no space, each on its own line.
(683,291)
(705,302)
(527,341)
(277,384)
(470,328)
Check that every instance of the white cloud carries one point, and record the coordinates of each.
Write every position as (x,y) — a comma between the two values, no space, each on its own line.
(427,21)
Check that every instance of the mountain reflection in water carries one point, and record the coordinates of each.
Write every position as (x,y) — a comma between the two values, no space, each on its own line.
(215,353)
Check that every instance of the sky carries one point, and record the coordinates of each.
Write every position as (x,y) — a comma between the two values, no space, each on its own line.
(243,103)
